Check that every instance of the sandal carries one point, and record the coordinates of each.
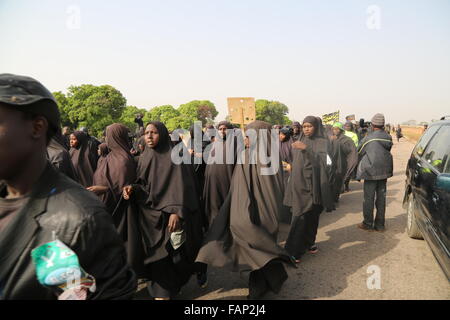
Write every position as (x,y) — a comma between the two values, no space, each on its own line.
(313,249)
(295,259)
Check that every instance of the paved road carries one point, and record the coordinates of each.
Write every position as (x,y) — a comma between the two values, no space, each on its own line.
(408,269)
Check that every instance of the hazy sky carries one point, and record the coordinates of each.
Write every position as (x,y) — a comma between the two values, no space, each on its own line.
(357,56)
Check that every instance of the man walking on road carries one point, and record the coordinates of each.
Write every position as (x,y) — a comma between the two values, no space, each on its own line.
(375,167)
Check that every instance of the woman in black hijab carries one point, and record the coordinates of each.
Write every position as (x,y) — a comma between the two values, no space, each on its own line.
(162,227)
(297,130)
(115,170)
(244,233)
(83,161)
(308,191)
(102,152)
(345,157)
(59,156)
(196,147)
(286,142)
(218,172)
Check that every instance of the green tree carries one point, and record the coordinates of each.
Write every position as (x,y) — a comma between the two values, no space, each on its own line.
(202,110)
(273,112)
(161,113)
(128,116)
(179,122)
(61,99)
(94,107)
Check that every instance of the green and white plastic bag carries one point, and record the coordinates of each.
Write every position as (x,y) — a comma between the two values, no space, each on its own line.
(58,268)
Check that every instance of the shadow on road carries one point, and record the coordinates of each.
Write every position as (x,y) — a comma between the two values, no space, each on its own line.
(324,275)
(347,250)
(349,203)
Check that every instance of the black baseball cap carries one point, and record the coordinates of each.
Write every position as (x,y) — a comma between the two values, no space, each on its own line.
(30,96)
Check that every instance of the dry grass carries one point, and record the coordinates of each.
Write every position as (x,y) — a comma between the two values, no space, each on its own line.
(412,133)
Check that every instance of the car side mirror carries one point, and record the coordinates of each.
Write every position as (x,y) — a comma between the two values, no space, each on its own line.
(443,182)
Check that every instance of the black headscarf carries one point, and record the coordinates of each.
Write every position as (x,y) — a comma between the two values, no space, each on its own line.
(295,137)
(198,145)
(218,175)
(103,150)
(168,187)
(162,188)
(82,160)
(286,146)
(310,183)
(117,169)
(244,234)
(228,125)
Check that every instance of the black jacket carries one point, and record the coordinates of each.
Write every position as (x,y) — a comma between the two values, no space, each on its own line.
(80,221)
(375,158)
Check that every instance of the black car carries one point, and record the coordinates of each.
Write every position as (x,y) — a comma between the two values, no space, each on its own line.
(427,192)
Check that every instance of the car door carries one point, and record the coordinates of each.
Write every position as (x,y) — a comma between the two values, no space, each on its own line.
(435,198)
(414,167)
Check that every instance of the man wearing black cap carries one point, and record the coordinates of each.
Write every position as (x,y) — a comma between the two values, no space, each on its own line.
(38,204)
(375,167)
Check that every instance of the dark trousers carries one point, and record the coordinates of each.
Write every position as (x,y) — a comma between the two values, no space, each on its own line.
(303,232)
(374,194)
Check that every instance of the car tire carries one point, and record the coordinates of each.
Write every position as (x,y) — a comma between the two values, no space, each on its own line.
(411,225)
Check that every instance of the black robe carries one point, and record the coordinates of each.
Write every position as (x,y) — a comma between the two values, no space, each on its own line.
(345,157)
(244,233)
(117,169)
(309,190)
(286,156)
(163,188)
(218,176)
(309,183)
(83,160)
(198,167)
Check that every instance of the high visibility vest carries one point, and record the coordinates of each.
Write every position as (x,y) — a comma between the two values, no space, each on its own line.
(352,136)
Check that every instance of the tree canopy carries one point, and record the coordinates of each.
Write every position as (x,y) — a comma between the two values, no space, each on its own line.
(94,107)
(199,110)
(128,116)
(273,112)
(184,116)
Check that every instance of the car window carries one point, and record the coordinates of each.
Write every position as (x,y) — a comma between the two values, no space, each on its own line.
(437,152)
(421,145)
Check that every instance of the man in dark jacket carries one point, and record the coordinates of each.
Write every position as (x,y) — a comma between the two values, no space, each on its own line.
(375,167)
(38,204)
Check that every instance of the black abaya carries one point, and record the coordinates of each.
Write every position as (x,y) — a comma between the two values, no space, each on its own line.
(244,233)
(345,157)
(83,161)
(163,188)
(308,189)
(218,174)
